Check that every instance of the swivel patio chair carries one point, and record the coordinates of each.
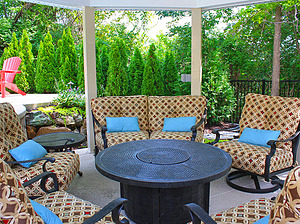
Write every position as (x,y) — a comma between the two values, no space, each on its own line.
(15,206)
(285,208)
(8,73)
(263,115)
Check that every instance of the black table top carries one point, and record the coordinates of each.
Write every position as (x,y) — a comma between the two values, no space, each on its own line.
(163,163)
(60,140)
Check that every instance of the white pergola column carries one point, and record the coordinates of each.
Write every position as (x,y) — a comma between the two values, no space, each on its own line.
(196,73)
(89,52)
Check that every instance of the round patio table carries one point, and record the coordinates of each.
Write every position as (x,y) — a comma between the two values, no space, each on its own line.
(159,177)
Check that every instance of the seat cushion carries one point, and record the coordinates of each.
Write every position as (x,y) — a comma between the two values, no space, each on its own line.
(66,166)
(114,138)
(246,213)
(176,135)
(252,158)
(15,205)
(71,209)
(287,204)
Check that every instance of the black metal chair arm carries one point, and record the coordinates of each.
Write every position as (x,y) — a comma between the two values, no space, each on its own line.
(114,207)
(104,128)
(198,214)
(43,177)
(48,159)
(218,134)
(194,127)
(273,142)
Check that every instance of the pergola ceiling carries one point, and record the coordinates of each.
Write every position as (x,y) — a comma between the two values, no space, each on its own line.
(149,4)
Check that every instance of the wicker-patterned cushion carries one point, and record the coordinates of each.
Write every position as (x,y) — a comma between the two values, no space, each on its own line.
(252,157)
(120,106)
(15,206)
(287,204)
(176,135)
(114,138)
(11,131)
(174,106)
(272,113)
(65,167)
(247,213)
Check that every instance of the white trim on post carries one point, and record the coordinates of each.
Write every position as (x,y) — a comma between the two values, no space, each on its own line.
(196,74)
(89,53)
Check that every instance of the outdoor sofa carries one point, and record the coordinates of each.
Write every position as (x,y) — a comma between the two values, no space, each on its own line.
(151,113)
(12,135)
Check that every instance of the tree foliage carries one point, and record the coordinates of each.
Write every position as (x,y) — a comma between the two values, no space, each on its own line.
(135,73)
(152,84)
(45,74)
(170,76)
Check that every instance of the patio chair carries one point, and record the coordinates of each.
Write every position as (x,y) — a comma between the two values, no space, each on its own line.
(8,73)
(16,207)
(285,208)
(256,152)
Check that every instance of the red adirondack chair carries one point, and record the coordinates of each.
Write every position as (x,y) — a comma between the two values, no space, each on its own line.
(8,73)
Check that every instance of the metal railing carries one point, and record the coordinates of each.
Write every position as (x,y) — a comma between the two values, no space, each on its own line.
(288,88)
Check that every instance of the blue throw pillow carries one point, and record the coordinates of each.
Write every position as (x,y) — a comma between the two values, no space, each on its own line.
(258,137)
(179,124)
(28,150)
(264,220)
(48,216)
(122,124)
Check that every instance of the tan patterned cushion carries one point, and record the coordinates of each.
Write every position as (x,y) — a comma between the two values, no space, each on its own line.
(120,106)
(271,113)
(252,158)
(11,131)
(161,107)
(176,135)
(114,138)
(15,206)
(247,213)
(287,207)
(65,167)
(71,209)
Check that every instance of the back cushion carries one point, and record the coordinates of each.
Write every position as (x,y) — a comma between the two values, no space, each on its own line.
(120,106)
(161,107)
(11,131)
(287,204)
(272,113)
(15,205)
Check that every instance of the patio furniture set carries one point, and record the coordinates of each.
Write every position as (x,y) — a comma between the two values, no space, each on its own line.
(156,168)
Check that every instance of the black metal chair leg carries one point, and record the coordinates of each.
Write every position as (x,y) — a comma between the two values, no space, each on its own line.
(237,174)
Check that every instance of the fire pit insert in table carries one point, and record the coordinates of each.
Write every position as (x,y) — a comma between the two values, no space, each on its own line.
(159,176)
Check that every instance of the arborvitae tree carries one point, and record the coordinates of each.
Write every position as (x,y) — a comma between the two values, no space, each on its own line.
(68,50)
(117,80)
(45,73)
(135,73)
(57,60)
(99,74)
(104,63)
(12,50)
(27,68)
(170,76)
(152,81)
(80,76)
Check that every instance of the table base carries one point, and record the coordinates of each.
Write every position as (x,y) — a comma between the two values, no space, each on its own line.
(163,205)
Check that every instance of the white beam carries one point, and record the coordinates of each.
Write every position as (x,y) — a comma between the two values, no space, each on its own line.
(89,52)
(196,73)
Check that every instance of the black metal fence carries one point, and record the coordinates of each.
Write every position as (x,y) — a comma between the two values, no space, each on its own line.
(288,88)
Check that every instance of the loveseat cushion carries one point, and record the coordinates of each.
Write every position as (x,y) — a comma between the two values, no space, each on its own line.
(65,167)
(246,213)
(114,138)
(71,209)
(252,157)
(176,135)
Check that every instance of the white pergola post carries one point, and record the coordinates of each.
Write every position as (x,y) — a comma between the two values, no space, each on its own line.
(196,73)
(89,52)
